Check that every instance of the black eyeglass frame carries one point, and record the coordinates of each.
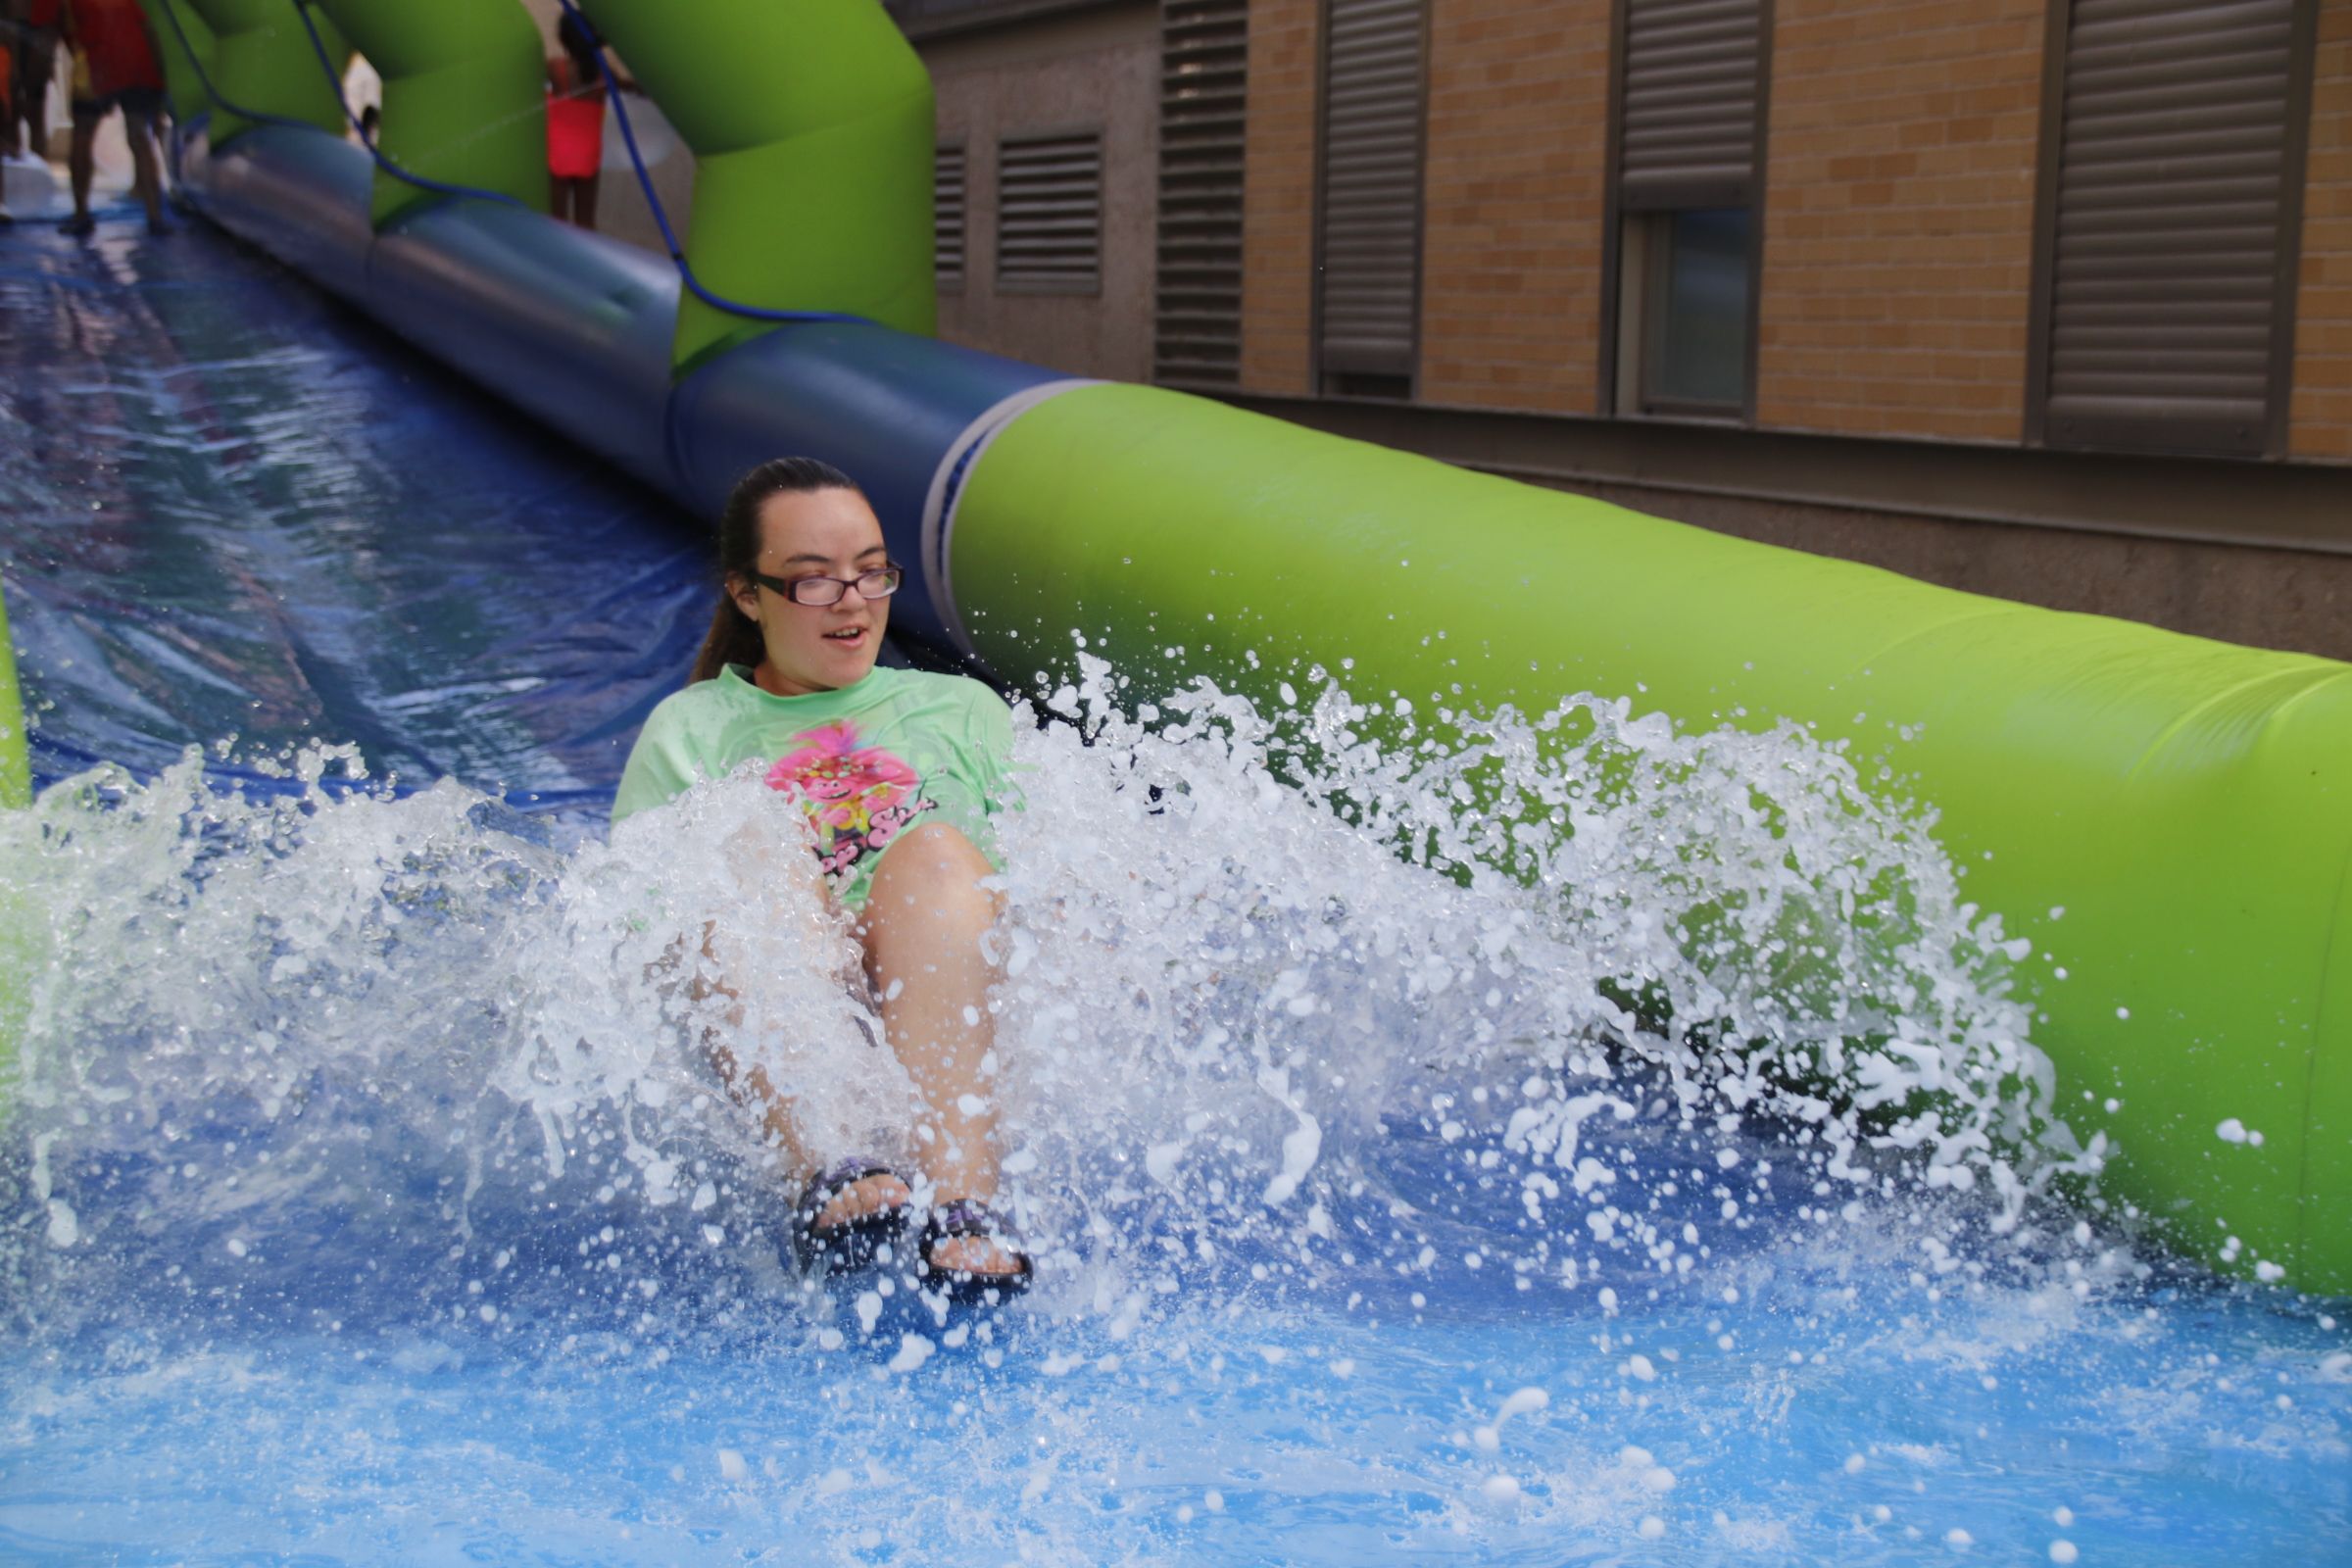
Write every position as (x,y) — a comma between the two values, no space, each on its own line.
(790,588)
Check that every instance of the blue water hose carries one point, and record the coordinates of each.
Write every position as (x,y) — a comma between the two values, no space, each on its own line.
(678,252)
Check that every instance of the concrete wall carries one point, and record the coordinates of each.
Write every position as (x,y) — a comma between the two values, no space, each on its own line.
(1092,70)
(2300,601)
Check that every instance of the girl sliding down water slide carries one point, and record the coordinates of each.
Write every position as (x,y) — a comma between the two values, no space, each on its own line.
(899,772)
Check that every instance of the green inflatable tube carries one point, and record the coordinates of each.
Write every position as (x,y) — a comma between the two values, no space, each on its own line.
(2189,802)
(16,792)
(263,58)
(183,76)
(811,128)
(463,84)
(15,771)
(464,95)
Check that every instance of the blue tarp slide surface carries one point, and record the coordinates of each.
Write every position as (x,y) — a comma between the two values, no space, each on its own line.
(235,508)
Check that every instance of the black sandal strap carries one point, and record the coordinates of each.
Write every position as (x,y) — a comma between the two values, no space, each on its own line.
(827,1186)
(966,1216)
(973,1217)
(850,1244)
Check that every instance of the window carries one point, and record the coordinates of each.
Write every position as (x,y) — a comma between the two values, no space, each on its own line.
(947,218)
(1696,350)
(1197,304)
(1049,214)
(1690,102)
(2171,186)
(1368,222)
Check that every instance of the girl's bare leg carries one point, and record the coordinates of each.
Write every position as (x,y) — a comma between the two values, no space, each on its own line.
(146,166)
(81,162)
(772,866)
(922,931)
(751,1087)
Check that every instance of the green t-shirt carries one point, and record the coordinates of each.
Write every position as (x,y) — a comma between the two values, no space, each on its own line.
(868,760)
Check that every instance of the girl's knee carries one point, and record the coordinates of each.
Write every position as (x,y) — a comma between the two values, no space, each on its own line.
(930,854)
(928,879)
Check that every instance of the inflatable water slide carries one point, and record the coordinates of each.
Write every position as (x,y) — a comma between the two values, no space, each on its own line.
(2165,823)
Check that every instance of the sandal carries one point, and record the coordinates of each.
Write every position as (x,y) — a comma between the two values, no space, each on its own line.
(970,1218)
(850,1243)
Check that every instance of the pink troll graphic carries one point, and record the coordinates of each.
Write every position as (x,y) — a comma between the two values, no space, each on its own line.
(856,795)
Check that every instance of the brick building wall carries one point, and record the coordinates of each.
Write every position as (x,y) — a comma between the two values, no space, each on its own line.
(1898,209)
(1278,196)
(2320,413)
(1515,181)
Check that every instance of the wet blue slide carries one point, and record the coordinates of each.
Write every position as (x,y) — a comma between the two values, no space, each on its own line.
(291,1270)
(237,510)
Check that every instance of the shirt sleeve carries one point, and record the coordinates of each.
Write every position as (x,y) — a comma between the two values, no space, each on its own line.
(657,769)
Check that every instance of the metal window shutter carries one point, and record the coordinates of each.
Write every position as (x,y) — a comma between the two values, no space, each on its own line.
(1050,212)
(1370,222)
(2171,185)
(946,216)
(1197,302)
(1686,131)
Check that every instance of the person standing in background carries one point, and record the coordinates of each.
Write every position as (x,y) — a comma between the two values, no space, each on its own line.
(114,67)
(32,39)
(575,122)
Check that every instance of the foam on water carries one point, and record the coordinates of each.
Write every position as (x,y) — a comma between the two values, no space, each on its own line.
(1512,1138)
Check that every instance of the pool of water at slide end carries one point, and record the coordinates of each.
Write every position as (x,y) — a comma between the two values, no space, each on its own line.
(235,511)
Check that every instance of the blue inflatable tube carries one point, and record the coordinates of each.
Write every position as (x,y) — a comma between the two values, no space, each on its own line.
(571,328)
(576,330)
(297,195)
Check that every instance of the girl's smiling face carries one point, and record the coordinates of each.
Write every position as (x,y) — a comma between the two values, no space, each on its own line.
(815,648)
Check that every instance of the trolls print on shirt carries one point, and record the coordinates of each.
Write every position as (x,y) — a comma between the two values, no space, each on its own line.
(859,797)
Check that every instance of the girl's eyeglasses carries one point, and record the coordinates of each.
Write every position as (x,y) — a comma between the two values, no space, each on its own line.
(818,591)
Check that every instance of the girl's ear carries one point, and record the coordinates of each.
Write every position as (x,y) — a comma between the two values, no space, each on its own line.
(746,596)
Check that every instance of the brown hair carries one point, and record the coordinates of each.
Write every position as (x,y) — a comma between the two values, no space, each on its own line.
(734,636)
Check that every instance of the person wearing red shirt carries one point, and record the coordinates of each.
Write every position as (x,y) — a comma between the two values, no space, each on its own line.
(575,121)
(575,126)
(115,68)
(8,88)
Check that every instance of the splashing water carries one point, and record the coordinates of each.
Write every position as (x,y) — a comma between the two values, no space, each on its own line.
(1648,1161)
